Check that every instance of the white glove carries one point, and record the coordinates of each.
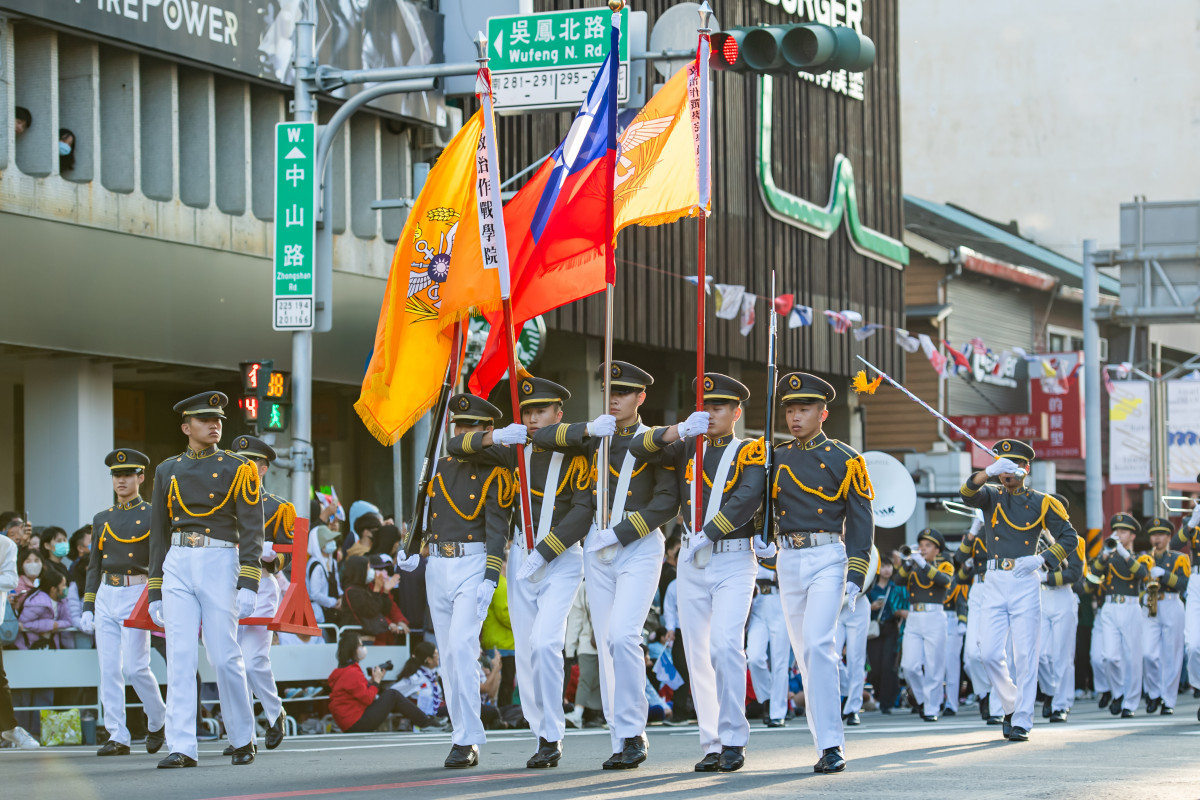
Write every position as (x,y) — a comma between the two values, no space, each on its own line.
(601,539)
(977,524)
(695,425)
(762,549)
(852,591)
(694,545)
(246,600)
(1155,572)
(268,552)
(1046,577)
(513,434)
(1194,519)
(409,563)
(969,564)
(533,562)
(962,627)
(1002,465)
(919,560)
(1121,549)
(1027,565)
(483,598)
(87,623)
(156,613)
(603,425)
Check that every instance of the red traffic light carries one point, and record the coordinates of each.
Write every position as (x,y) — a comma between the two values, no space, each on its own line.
(726,54)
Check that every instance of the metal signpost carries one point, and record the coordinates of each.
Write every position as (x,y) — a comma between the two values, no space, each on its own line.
(295,225)
(549,60)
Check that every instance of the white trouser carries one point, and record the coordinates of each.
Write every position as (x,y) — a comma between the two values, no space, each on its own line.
(769,653)
(1191,629)
(619,595)
(450,587)
(1011,605)
(539,623)
(953,671)
(972,655)
(813,583)
(1056,661)
(1122,652)
(124,655)
(714,604)
(255,641)
(1101,681)
(1163,660)
(200,590)
(851,634)
(923,657)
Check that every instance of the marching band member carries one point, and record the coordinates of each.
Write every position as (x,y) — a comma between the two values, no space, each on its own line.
(851,634)
(115,577)
(542,582)
(1013,519)
(927,575)
(826,531)
(1060,618)
(1121,649)
(1163,658)
(970,558)
(621,563)
(717,565)
(768,651)
(1188,535)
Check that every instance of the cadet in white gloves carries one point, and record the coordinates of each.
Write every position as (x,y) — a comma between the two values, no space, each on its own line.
(1163,657)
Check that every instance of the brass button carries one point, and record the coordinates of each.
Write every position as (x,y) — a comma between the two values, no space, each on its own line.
(178,459)
(472,477)
(106,555)
(211,496)
(214,474)
(177,519)
(629,494)
(470,537)
(783,513)
(472,497)
(220,458)
(131,555)
(822,466)
(110,509)
(143,508)
(435,515)
(206,530)
(820,511)
(137,522)
(820,488)
(827,449)
(789,447)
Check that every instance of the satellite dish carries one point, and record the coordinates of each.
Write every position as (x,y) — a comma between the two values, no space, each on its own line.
(895,493)
(675,29)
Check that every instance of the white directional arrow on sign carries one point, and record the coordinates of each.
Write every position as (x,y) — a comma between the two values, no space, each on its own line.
(295,153)
(499,43)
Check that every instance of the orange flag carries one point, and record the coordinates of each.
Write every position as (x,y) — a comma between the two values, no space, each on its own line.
(411,352)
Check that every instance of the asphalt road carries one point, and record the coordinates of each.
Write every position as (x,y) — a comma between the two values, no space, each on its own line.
(1094,756)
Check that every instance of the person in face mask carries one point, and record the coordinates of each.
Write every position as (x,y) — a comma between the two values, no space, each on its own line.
(55,551)
(66,150)
(322,576)
(28,580)
(45,615)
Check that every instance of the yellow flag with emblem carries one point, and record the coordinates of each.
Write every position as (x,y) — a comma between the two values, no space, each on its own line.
(411,351)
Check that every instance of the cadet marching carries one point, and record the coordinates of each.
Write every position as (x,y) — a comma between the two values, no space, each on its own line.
(754,596)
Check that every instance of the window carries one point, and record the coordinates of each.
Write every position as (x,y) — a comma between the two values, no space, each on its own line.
(1064,340)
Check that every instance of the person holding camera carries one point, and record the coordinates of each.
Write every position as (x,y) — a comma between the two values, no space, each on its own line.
(359,705)
(368,601)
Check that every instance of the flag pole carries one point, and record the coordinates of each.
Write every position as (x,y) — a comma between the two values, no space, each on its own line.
(610,269)
(495,251)
(702,176)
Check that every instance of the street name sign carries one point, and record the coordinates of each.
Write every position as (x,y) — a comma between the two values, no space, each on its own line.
(295,225)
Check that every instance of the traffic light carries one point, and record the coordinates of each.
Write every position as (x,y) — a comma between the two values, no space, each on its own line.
(811,47)
(266,400)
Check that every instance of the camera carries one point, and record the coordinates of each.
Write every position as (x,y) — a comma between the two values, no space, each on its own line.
(387,666)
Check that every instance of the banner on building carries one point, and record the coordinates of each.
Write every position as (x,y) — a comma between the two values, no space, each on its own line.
(1129,433)
(1183,430)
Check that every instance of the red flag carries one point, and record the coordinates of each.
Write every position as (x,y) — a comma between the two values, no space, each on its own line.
(960,359)
(784,303)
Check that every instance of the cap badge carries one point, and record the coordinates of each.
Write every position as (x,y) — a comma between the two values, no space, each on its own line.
(795,382)
(215,400)
(463,404)
(121,458)
(615,371)
(243,443)
(526,387)
(1006,446)
(708,384)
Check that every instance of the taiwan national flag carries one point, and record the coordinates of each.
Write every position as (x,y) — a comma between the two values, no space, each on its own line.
(557,223)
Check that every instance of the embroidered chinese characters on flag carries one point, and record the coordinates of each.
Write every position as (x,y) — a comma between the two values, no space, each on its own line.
(411,352)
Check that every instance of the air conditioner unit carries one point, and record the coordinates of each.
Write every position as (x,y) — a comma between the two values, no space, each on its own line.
(429,137)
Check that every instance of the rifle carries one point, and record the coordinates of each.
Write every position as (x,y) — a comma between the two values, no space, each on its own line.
(768,530)
(414,537)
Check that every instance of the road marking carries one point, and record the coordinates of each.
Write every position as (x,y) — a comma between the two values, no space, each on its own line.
(378,787)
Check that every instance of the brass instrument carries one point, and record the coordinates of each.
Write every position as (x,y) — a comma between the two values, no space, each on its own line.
(1177,504)
(905,552)
(961,509)
(1153,588)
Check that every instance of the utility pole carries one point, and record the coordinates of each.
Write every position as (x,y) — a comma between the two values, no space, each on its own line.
(1091,390)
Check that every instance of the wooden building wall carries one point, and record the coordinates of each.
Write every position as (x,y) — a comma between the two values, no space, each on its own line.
(655,308)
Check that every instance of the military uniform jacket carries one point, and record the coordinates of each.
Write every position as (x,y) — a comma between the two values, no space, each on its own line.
(280,527)
(1013,522)
(652,499)
(214,493)
(1121,575)
(928,584)
(1071,569)
(1185,537)
(572,514)
(1178,567)
(122,545)
(956,596)
(471,502)
(744,486)
(822,485)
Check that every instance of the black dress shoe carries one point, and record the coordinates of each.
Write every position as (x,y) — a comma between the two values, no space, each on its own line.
(929,717)
(613,762)
(1114,707)
(176,761)
(1105,699)
(995,720)
(949,712)
(112,748)
(547,756)
(462,756)
(1196,692)
(885,710)
(1018,734)
(710,763)
(243,755)
(852,718)
(1046,708)
(155,740)
(275,733)
(775,723)
(1127,714)
(635,752)
(1008,728)
(230,749)
(1166,711)
(831,761)
(1058,716)
(732,759)
(1153,705)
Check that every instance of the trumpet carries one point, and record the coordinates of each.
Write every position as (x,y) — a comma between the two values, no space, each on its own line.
(905,552)
(961,509)
(1111,543)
